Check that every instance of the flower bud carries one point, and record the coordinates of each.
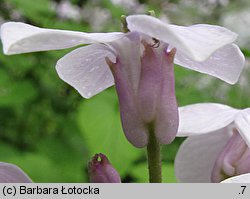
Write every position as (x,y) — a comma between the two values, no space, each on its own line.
(101,171)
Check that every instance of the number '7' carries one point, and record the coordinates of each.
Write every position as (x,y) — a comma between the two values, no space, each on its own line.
(243,189)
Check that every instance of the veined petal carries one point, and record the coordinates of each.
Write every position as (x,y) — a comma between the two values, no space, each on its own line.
(86,69)
(197,42)
(196,156)
(22,38)
(204,117)
(244,178)
(242,122)
(226,63)
(10,173)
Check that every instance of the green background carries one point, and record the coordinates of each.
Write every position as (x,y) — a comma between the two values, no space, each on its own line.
(48,130)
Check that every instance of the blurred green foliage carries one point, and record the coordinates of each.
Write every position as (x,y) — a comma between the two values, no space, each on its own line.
(48,130)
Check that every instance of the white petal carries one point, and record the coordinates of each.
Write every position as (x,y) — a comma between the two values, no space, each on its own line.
(226,63)
(10,173)
(244,178)
(86,69)
(204,117)
(242,122)
(197,42)
(22,38)
(196,156)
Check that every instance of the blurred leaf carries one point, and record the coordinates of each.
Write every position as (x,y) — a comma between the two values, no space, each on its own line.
(38,11)
(115,11)
(169,151)
(18,65)
(101,126)
(40,168)
(3,77)
(70,160)
(246,52)
(7,151)
(140,172)
(14,93)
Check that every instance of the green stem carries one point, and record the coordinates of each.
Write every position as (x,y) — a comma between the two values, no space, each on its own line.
(154,159)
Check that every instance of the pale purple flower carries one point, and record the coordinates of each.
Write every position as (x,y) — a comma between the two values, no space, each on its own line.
(141,64)
(10,173)
(218,143)
(101,171)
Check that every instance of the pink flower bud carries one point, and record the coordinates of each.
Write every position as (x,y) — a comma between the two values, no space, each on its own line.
(101,171)
(233,160)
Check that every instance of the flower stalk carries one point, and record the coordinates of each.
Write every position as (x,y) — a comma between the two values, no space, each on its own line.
(154,159)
